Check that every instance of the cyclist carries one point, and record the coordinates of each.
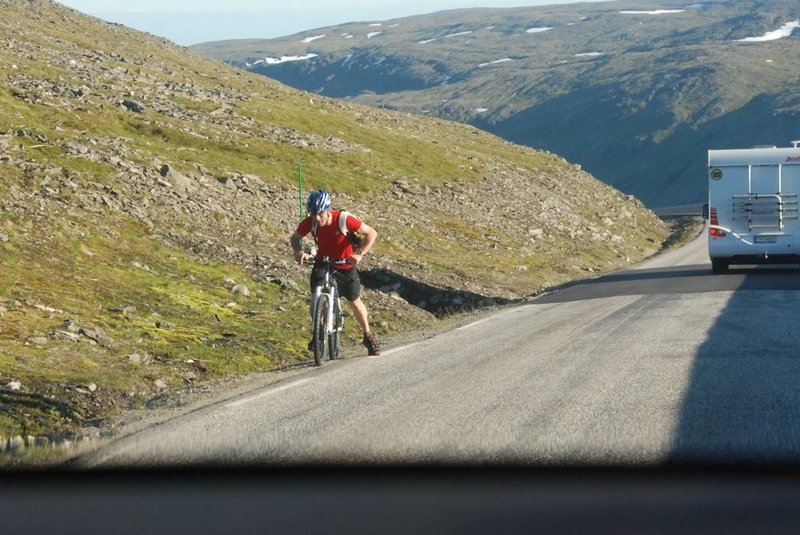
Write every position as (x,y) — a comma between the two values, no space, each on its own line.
(323,223)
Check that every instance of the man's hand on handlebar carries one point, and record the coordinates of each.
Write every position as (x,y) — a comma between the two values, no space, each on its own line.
(301,257)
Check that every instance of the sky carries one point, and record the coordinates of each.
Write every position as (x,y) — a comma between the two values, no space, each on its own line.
(188,22)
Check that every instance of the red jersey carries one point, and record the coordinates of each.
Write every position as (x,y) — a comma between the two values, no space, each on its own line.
(330,241)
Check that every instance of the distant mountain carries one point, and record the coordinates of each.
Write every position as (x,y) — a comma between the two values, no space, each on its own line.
(636,91)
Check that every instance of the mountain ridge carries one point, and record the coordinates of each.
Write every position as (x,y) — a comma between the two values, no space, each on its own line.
(667,80)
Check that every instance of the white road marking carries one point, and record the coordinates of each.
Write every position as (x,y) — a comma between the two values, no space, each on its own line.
(474,323)
(394,350)
(268,392)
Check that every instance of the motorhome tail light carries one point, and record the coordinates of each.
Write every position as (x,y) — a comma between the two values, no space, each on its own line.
(717,233)
(714,219)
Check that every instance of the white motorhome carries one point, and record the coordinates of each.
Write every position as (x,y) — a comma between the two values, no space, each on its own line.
(752,206)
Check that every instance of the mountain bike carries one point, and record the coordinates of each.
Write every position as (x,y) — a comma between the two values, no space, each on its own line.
(327,320)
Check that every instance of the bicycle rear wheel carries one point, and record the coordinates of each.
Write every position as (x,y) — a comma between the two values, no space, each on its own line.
(320,336)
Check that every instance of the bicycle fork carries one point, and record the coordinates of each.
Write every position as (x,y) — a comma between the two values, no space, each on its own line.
(315,301)
(331,323)
(329,314)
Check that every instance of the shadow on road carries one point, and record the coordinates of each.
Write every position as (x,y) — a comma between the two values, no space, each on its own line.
(695,278)
(742,404)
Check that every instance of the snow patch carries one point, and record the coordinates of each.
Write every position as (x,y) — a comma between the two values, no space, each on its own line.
(589,54)
(284,59)
(370,35)
(653,12)
(457,34)
(538,30)
(314,38)
(494,62)
(784,31)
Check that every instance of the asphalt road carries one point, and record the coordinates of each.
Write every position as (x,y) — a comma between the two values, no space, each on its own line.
(662,363)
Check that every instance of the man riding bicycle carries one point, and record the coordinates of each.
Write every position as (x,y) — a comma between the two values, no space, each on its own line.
(323,223)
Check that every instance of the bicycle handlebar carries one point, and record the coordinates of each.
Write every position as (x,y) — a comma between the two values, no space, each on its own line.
(327,260)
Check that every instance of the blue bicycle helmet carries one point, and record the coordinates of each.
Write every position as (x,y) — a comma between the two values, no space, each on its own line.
(318,201)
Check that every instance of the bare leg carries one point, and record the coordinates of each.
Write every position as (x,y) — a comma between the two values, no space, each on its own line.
(360,313)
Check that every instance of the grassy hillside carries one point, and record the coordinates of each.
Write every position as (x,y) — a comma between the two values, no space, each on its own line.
(148,195)
(635,91)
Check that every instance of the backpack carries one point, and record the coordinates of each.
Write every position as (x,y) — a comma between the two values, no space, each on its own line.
(355,240)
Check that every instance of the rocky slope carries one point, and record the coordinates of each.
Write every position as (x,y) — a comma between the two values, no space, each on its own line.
(635,91)
(148,195)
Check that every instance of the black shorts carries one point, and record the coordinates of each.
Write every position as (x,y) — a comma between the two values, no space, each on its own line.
(346,280)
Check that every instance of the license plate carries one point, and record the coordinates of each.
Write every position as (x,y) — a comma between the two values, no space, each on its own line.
(766,239)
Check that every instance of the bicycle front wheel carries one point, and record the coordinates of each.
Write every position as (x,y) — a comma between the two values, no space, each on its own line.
(320,335)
